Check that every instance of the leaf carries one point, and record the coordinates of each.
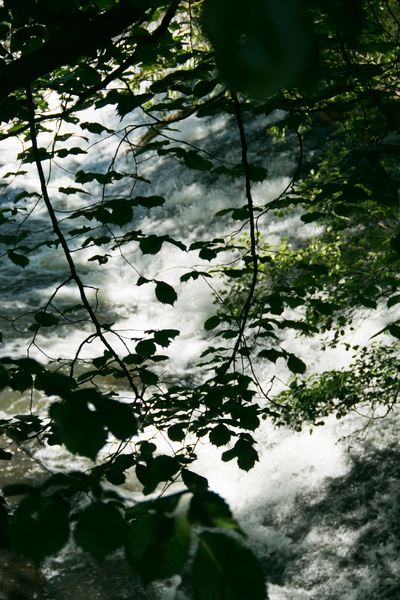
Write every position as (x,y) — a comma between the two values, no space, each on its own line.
(148,377)
(18,259)
(5,455)
(72,190)
(4,377)
(146,348)
(100,530)
(158,546)
(393,301)
(116,416)
(246,454)
(193,160)
(161,468)
(21,381)
(150,201)
(271,354)
(295,364)
(220,435)
(165,293)
(80,429)
(210,510)
(394,330)
(66,152)
(176,433)
(311,217)
(54,384)
(45,319)
(151,244)
(207,254)
(194,482)
(122,213)
(40,527)
(128,102)
(225,569)
(212,323)
(162,336)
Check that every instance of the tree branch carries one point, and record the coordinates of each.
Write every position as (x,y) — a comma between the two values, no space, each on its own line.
(64,245)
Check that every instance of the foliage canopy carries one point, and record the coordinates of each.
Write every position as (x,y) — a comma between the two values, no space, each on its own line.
(318,61)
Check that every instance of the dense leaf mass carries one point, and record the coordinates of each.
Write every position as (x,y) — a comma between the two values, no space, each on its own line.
(325,67)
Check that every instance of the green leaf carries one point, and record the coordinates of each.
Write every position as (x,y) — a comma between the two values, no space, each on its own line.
(225,569)
(54,384)
(245,453)
(271,354)
(158,546)
(165,293)
(394,330)
(116,416)
(212,323)
(161,468)
(311,217)
(122,213)
(176,433)
(193,160)
(151,244)
(210,510)
(150,201)
(18,259)
(4,377)
(21,381)
(100,530)
(45,319)
(194,482)
(80,429)
(207,254)
(220,435)
(5,455)
(148,377)
(146,348)
(40,527)
(296,365)
(128,102)
(393,301)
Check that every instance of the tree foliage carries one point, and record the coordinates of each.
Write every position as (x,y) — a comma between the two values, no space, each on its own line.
(315,60)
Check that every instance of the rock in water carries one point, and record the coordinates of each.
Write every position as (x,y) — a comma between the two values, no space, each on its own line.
(19,578)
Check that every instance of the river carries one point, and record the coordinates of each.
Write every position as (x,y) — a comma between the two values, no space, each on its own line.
(321,510)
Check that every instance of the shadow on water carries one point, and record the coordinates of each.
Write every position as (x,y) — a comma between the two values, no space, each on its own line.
(346,542)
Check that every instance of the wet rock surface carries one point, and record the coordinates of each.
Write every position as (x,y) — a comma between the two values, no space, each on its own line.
(19,578)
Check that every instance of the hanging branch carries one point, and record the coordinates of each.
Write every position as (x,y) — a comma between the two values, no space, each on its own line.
(74,275)
(253,238)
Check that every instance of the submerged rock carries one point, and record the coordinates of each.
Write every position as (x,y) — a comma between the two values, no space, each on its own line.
(19,578)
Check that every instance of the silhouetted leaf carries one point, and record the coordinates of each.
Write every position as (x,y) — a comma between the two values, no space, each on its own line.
(40,527)
(18,259)
(212,323)
(100,530)
(165,293)
(220,435)
(295,364)
(194,482)
(223,568)
(157,546)
(210,510)
(80,429)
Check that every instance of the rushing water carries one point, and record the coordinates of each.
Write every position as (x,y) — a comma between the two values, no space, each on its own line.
(321,510)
